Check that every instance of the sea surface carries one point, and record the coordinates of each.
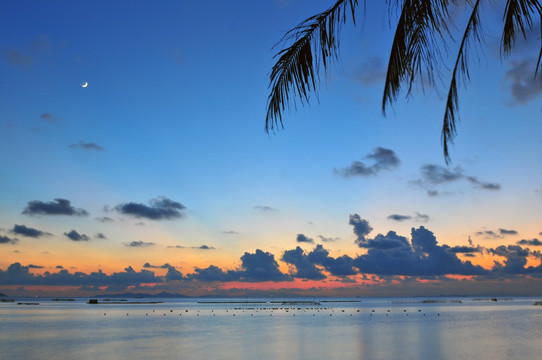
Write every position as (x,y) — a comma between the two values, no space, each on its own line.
(304,328)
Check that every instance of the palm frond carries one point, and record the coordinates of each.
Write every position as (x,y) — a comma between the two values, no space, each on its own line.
(460,68)
(517,18)
(415,47)
(315,41)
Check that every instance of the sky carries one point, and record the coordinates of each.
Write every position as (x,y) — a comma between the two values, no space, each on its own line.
(158,175)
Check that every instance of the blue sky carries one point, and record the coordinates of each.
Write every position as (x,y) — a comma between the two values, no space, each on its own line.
(172,122)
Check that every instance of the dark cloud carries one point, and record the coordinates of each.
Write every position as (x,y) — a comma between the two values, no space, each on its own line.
(32,266)
(488,234)
(397,217)
(373,71)
(261,266)
(464,250)
(17,274)
(418,217)
(392,254)
(8,240)
(340,266)
(436,175)
(304,268)
(384,159)
(303,239)
(507,232)
(173,274)
(56,207)
(159,209)
(483,185)
(28,231)
(87,146)
(213,273)
(515,260)
(533,242)
(75,236)
(328,239)
(138,244)
(104,219)
(149,266)
(204,247)
(264,208)
(524,86)
(361,227)
(100,236)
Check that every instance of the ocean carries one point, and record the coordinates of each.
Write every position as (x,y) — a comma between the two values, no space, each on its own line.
(304,328)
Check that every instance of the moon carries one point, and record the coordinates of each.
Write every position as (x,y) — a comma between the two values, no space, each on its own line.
(85,84)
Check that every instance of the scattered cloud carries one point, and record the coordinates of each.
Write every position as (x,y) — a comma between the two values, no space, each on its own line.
(303,239)
(32,266)
(500,233)
(328,239)
(86,146)
(383,159)
(433,175)
(204,247)
(139,244)
(264,208)
(49,117)
(507,232)
(533,242)
(56,207)
(160,208)
(149,266)
(523,85)
(397,217)
(372,72)
(75,236)
(7,240)
(230,232)
(28,231)
(417,217)
(100,236)
(104,219)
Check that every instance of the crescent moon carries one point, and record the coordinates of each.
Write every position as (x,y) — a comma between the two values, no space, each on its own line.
(85,84)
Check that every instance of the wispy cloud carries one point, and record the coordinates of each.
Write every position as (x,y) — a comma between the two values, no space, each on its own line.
(433,175)
(87,146)
(523,85)
(264,208)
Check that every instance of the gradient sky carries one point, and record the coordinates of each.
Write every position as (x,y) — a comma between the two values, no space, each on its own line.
(159,176)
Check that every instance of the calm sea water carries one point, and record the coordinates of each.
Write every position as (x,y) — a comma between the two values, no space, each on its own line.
(413,328)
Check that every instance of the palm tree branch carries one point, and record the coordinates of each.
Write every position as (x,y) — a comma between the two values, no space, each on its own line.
(460,68)
(414,46)
(314,42)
